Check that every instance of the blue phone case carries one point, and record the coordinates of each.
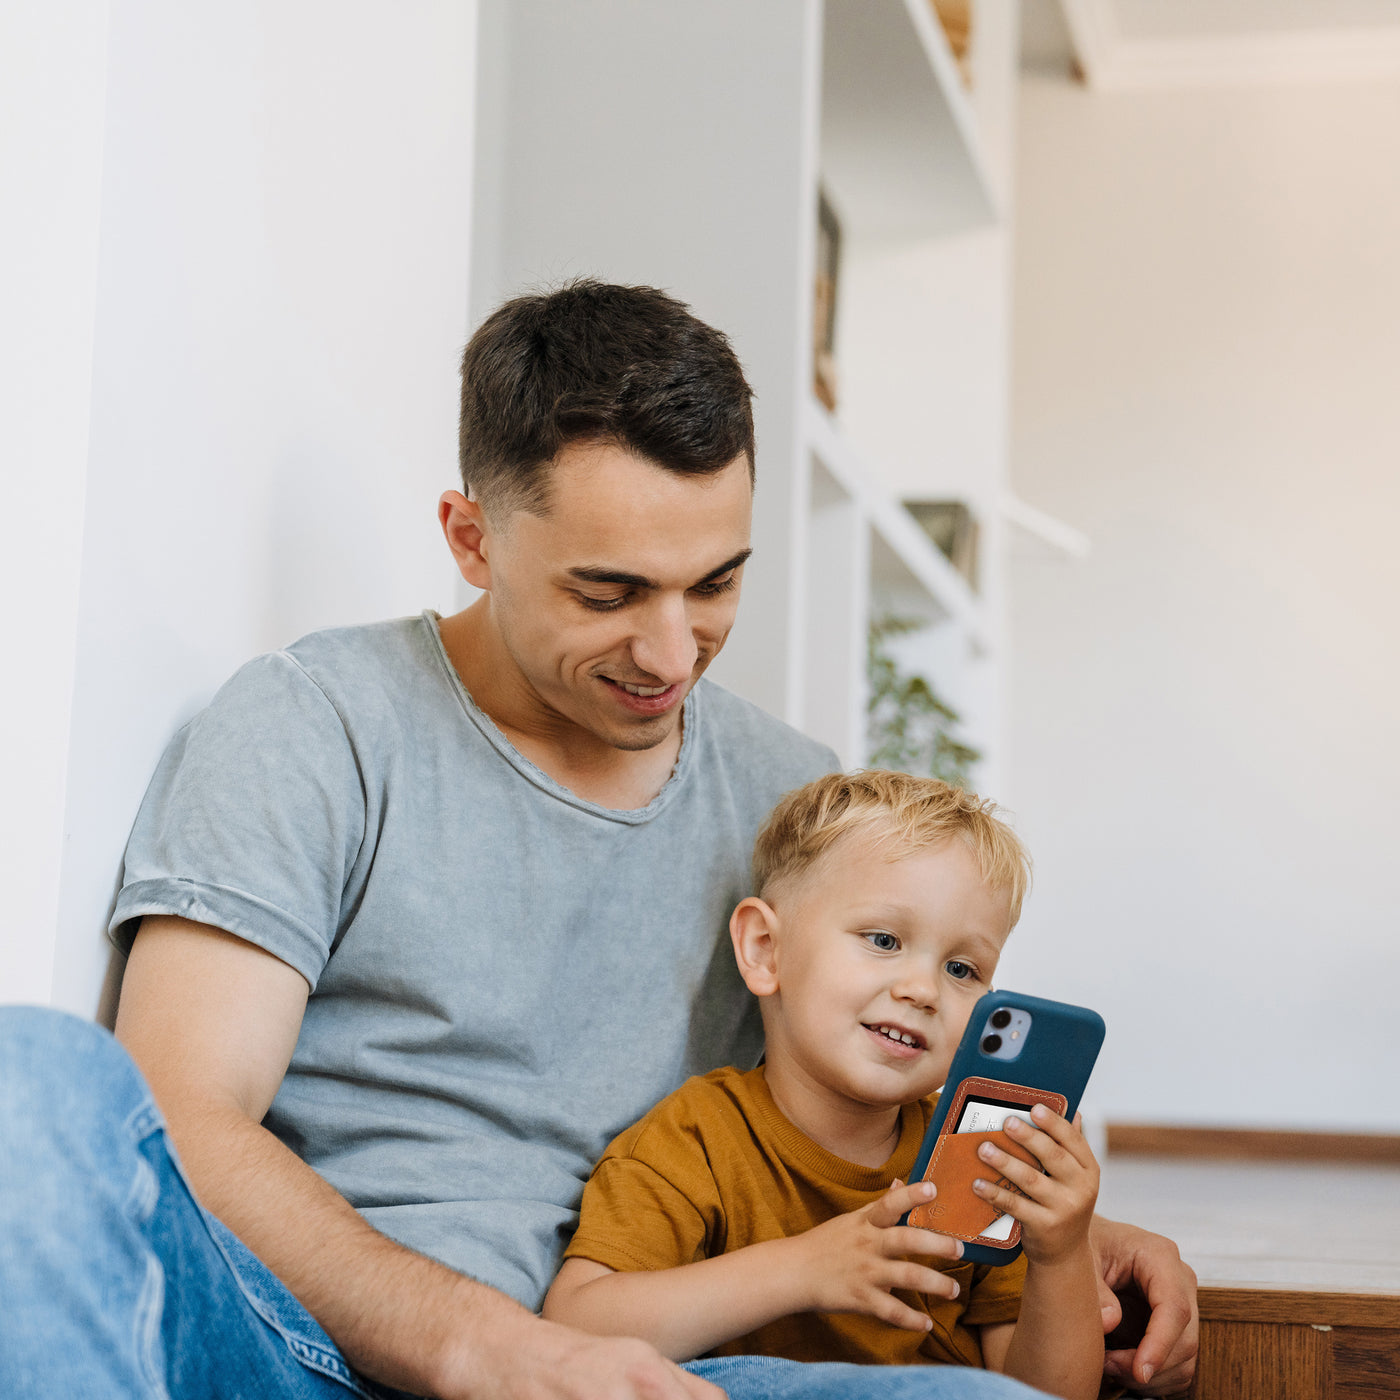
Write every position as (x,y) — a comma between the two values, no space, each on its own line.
(1059,1056)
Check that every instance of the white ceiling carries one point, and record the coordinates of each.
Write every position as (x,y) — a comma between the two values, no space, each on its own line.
(1135,44)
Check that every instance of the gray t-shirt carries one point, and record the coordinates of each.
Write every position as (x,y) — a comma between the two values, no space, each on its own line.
(504,976)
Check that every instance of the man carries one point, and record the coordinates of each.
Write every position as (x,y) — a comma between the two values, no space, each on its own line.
(419,915)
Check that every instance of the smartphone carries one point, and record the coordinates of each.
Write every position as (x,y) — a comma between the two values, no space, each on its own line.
(1016,1052)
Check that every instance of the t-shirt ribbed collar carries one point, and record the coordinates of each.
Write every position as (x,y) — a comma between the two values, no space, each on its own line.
(690,725)
(798,1149)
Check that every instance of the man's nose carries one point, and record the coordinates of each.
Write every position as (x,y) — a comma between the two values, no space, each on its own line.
(665,645)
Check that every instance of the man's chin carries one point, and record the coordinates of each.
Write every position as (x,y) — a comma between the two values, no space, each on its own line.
(634,733)
(644,735)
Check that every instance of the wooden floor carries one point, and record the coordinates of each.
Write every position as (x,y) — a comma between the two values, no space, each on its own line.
(1299,1265)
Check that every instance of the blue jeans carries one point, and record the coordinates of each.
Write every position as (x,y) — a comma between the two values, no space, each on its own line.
(116,1284)
(772,1378)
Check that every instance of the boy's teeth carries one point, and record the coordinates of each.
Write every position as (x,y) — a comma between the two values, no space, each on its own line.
(644,690)
(892,1034)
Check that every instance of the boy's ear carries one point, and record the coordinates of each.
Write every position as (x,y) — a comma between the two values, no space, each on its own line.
(753,929)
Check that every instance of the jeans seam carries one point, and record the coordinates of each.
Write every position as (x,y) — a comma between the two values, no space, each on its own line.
(150,1307)
(144,1121)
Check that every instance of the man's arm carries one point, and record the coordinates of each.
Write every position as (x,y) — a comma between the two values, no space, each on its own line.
(1134,1259)
(211,1021)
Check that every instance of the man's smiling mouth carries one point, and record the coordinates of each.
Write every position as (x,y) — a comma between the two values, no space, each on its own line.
(645,701)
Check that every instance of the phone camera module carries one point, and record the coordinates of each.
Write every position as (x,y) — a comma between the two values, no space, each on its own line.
(1003,1033)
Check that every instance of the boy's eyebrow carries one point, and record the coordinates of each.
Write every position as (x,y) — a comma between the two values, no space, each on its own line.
(986,946)
(602,574)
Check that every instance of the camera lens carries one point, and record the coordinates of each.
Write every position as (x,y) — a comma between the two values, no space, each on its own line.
(991,1044)
(1001,1019)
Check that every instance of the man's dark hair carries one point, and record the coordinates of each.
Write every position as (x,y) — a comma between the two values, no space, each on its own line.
(592,362)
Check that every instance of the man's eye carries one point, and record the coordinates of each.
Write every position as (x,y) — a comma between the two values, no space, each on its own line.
(961,970)
(601,604)
(716,585)
(885,942)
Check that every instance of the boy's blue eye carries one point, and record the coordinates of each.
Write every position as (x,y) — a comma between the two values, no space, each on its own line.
(885,942)
(960,970)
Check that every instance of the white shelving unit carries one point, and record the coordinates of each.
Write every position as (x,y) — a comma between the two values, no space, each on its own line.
(699,171)
(900,151)
(868,559)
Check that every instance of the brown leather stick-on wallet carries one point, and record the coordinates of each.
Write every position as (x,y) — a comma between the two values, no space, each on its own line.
(954,1164)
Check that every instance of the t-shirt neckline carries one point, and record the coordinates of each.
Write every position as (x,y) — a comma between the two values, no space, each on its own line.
(632,816)
(799,1147)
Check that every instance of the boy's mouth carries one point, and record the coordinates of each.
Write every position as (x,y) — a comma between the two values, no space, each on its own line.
(897,1036)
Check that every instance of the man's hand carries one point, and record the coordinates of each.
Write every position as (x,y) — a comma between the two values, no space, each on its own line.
(1133,1259)
(537,1360)
(852,1262)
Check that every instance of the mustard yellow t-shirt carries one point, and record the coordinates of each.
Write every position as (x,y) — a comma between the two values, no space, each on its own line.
(715,1167)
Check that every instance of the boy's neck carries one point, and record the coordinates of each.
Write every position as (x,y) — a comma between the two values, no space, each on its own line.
(865,1134)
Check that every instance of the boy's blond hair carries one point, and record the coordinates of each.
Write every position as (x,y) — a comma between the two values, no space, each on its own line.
(904,813)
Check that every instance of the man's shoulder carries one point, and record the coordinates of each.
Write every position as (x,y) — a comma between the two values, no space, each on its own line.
(371,649)
(752,742)
(342,663)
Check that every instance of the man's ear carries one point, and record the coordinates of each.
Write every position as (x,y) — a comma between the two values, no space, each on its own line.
(753,929)
(465,529)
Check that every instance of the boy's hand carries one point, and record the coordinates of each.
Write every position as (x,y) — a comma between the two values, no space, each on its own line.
(851,1263)
(1058,1204)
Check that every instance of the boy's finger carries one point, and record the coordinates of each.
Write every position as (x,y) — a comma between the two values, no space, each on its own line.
(899,1199)
(915,1278)
(912,1239)
(1070,1136)
(1031,1181)
(1010,1203)
(1047,1150)
(889,1309)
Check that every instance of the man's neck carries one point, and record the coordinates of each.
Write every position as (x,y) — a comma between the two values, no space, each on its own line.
(861,1133)
(620,779)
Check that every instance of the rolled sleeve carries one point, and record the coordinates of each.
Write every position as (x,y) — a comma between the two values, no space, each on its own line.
(252,821)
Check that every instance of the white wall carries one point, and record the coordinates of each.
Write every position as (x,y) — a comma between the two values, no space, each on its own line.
(672,144)
(52,73)
(281,300)
(1204,752)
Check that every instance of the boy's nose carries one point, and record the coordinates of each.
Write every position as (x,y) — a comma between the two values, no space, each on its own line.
(918,991)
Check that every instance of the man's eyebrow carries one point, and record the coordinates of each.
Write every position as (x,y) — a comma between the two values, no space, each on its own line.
(601,574)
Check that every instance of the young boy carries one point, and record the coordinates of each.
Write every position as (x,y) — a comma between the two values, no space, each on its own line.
(759,1211)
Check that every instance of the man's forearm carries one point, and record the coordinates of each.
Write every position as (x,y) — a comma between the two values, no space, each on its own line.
(397,1316)
(1165,1359)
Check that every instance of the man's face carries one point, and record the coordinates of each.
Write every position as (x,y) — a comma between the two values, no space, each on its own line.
(612,605)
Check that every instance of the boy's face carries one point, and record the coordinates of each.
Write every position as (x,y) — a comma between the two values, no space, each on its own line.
(875,968)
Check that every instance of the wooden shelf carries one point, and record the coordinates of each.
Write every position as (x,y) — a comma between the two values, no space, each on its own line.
(900,153)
